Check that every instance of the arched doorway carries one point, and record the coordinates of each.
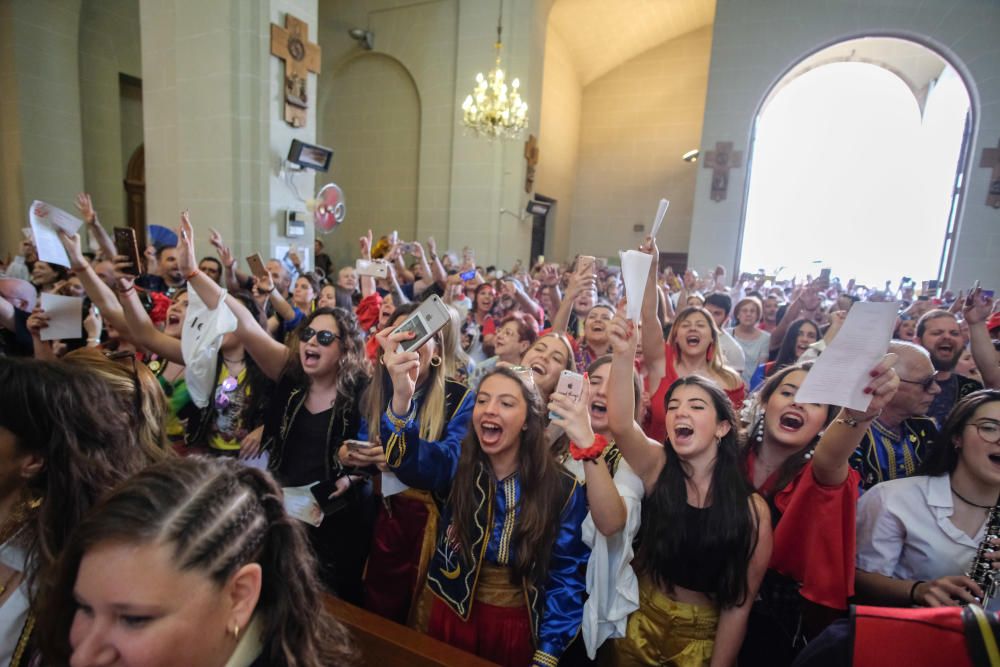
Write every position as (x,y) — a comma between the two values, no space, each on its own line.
(856,164)
(135,192)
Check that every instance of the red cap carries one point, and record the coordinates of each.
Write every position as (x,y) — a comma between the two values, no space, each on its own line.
(994,322)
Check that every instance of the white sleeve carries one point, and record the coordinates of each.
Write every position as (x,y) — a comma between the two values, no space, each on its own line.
(881,533)
(612,587)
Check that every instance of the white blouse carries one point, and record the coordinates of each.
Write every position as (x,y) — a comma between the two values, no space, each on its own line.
(905,530)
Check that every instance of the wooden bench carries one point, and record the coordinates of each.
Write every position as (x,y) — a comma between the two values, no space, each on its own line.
(383,643)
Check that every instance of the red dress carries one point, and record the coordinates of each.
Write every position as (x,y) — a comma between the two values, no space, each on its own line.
(654,426)
(814,540)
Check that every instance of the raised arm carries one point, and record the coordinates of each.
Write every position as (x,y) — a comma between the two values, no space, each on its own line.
(270,355)
(644,455)
(976,311)
(654,356)
(437,268)
(577,283)
(842,437)
(96,289)
(231,276)
(86,208)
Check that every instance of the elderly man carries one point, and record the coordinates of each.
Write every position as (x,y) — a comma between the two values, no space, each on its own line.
(901,437)
(17,299)
(938,332)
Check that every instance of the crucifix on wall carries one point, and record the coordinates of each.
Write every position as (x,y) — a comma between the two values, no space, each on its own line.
(292,45)
(720,161)
(531,157)
(991,158)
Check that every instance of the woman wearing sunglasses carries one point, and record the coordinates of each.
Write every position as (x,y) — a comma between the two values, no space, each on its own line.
(314,407)
(406,524)
(918,536)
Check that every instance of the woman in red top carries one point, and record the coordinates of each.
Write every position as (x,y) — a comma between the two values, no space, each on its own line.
(797,459)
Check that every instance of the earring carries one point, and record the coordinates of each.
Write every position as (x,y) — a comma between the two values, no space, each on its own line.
(809,454)
(708,353)
(435,361)
(236,631)
(759,435)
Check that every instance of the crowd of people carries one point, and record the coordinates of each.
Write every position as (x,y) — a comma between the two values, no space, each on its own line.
(678,506)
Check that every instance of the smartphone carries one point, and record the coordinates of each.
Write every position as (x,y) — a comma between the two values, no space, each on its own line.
(467,275)
(321,492)
(570,384)
(425,321)
(359,445)
(374,268)
(256,263)
(407,248)
(585,264)
(824,276)
(986,294)
(126,244)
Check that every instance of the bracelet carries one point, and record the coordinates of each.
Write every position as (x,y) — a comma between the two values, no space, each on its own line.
(588,453)
(130,288)
(913,589)
(853,422)
(190,275)
(94,340)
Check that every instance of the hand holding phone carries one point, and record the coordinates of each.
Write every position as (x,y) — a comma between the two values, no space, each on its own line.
(374,268)
(256,264)
(585,265)
(424,322)
(571,385)
(329,494)
(126,244)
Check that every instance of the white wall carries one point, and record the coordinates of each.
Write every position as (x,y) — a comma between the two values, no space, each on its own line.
(755,43)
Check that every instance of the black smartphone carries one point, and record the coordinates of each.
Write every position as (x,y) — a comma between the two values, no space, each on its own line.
(126,244)
(321,492)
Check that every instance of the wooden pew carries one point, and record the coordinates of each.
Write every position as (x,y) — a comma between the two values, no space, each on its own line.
(383,643)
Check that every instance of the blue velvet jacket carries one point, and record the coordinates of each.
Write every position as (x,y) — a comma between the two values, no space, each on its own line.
(557,607)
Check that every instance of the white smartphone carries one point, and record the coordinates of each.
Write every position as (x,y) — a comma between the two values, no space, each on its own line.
(359,445)
(570,384)
(425,321)
(375,268)
(585,265)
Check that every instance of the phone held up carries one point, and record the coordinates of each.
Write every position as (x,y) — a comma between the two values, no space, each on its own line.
(570,384)
(127,245)
(425,321)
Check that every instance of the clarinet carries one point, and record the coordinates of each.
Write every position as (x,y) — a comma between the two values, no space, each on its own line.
(981,570)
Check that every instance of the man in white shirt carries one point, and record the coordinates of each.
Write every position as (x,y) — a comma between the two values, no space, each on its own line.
(719,306)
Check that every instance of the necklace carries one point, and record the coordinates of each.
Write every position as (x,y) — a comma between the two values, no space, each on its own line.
(969,502)
(234,361)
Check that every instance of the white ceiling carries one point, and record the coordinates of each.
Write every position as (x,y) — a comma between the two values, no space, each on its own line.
(602,34)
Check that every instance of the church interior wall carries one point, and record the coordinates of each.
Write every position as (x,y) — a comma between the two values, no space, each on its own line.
(111,123)
(755,43)
(636,123)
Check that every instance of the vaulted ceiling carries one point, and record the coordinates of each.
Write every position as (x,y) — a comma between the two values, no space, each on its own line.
(602,34)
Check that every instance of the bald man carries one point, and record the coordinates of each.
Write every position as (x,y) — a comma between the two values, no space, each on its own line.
(901,437)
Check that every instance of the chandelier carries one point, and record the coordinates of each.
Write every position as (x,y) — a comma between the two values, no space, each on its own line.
(495,110)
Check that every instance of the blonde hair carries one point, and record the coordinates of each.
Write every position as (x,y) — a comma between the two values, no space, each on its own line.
(150,430)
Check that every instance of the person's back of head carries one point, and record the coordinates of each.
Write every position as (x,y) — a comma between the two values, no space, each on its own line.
(219,526)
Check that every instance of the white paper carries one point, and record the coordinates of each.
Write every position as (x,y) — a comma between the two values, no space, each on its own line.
(842,372)
(43,227)
(660,212)
(391,485)
(301,504)
(65,316)
(635,273)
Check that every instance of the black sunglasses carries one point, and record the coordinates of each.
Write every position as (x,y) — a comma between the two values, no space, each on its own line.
(137,396)
(324,338)
(924,384)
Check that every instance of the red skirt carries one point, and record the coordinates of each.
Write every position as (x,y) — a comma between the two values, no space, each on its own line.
(498,634)
(394,560)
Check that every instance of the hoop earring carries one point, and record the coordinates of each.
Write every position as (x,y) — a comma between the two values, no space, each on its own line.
(435,361)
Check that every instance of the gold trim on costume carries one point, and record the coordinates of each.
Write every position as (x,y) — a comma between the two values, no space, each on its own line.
(495,588)
(545,659)
(509,519)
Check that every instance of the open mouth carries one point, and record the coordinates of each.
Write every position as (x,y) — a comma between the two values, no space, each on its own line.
(683,433)
(995,459)
(310,357)
(537,369)
(173,319)
(490,432)
(692,341)
(598,409)
(791,421)
(946,348)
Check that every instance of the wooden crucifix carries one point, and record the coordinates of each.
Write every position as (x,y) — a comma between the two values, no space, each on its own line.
(292,45)
(991,158)
(531,157)
(720,161)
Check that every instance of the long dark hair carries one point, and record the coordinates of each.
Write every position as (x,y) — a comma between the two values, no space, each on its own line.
(216,516)
(943,456)
(786,353)
(790,468)
(730,523)
(353,365)
(70,418)
(542,496)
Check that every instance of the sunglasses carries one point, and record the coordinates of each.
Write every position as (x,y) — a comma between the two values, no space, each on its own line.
(324,338)
(137,397)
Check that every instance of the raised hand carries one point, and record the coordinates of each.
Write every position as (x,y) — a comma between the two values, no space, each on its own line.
(418,250)
(93,324)
(432,246)
(883,385)
(573,417)
(622,333)
(37,321)
(71,242)
(186,259)
(977,306)
(86,208)
(366,245)
(403,367)
(125,280)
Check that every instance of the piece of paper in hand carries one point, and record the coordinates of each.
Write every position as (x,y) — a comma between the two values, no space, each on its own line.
(391,485)
(45,219)
(65,316)
(842,372)
(635,273)
(660,212)
(300,503)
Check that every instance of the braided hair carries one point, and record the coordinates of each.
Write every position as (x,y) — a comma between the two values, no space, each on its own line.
(215,516)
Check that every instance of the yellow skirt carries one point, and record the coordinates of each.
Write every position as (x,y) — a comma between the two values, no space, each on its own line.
(666,632)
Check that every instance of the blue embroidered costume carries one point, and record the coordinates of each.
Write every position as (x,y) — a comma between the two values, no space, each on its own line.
(556,609)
